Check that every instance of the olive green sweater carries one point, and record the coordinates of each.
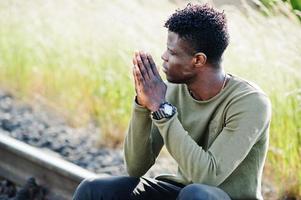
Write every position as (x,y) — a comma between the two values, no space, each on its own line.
(220,142)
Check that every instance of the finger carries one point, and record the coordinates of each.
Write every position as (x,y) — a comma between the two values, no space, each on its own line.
(134,61)
(141,67)
(133,70)
(136,73)
(146,64)
(139,77)
(134,58)
(153,65)
(135,80)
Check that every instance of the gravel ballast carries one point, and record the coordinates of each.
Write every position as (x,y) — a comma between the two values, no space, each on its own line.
(77,145)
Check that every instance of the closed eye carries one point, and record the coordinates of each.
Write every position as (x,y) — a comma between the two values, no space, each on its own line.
(171,51)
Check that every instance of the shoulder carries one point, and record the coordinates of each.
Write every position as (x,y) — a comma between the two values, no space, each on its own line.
(246,95)
(244,88)
(243,85)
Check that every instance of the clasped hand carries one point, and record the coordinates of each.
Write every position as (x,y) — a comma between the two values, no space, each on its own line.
(149,86)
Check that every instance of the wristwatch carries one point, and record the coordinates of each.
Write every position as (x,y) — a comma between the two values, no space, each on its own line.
(166,110)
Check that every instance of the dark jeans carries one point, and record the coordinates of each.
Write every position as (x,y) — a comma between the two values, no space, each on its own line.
(131,188)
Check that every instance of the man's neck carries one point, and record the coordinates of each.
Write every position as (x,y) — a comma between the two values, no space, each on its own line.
(207,84)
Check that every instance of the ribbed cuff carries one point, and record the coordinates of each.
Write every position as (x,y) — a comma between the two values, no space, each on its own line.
(139,108)
(163,121)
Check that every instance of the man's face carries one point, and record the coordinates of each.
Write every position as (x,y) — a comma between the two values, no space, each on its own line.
(177,60)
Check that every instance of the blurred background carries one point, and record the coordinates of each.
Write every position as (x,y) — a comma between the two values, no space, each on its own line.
(74,57)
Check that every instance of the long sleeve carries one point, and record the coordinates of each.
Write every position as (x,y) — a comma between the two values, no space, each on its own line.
(246,119)
(142,144)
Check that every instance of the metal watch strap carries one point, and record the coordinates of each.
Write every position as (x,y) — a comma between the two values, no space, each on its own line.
(160,114)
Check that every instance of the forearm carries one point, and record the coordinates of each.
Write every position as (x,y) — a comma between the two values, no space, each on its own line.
(196,164)
(138,151)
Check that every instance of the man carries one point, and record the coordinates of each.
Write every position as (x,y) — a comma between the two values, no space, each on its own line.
(213,124)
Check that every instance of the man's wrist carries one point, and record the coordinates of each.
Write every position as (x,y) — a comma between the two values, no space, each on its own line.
(165,110)
(156,106)
(136,101)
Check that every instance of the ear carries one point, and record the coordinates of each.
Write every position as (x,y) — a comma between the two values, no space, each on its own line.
(200,59)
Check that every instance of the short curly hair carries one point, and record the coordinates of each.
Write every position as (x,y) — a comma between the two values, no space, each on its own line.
(204,27)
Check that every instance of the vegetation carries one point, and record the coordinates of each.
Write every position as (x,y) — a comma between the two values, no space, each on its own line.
(296,4)
(76,57)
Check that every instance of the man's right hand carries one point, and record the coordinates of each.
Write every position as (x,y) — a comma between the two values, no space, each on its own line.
(150,88)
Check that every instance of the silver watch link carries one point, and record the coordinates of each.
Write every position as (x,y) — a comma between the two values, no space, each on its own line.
(166,110)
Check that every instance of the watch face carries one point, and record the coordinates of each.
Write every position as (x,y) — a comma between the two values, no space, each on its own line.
(168,109)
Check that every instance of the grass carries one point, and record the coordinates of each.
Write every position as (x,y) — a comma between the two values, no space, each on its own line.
(76,57)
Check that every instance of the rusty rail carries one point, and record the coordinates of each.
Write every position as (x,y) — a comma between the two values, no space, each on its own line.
(19,161)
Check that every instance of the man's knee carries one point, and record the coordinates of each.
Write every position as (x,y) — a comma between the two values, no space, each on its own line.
(202,192)
(84,189)
(194,192)
(105,188)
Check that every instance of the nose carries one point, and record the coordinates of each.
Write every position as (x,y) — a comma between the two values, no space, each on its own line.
(164,56)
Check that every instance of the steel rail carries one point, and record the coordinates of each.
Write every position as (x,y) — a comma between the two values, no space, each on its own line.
(20,161)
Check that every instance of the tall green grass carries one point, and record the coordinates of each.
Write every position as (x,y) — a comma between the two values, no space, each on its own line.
(76,57)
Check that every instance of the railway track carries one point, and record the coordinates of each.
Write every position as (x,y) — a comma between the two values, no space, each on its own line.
(20,161)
